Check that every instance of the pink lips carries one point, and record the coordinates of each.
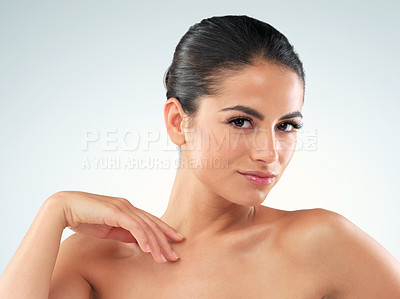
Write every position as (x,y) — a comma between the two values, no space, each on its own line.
(259,178)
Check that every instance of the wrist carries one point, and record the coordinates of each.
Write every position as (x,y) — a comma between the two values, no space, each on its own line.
(56,205)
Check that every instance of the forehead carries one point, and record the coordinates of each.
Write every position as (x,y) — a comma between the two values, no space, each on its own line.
(267,87)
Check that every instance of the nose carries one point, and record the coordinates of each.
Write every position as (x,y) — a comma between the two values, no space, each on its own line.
(264,147)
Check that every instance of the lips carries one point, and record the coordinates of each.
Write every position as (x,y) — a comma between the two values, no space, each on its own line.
(259,178)
(260,174)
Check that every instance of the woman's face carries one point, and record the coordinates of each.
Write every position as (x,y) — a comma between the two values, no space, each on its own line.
(247,127)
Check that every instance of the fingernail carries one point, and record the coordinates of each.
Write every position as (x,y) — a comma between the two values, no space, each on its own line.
(179,235)
(163,258)
(174,254)
(148,248)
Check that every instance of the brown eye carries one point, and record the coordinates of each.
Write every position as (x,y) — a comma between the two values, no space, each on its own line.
(284,126)
(241,122)
(293,127)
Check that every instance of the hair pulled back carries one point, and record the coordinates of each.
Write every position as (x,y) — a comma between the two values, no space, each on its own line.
(219,46)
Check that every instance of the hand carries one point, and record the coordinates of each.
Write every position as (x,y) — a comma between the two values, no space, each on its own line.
(116,218)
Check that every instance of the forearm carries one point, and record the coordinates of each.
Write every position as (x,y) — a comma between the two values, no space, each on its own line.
(29,272)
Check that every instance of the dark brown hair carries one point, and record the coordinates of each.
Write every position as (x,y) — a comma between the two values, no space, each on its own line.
(219,46)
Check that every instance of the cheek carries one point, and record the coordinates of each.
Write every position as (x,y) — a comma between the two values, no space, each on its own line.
(286,148)
(216,144)
(215,153)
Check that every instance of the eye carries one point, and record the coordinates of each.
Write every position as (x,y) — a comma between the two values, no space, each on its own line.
(290,127)
(241,123)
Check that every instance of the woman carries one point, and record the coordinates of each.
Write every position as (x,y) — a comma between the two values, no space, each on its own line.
(235,91)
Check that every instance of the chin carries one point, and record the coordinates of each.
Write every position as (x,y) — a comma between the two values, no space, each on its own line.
(250,199)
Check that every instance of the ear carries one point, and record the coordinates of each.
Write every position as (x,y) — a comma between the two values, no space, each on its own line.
(174,116)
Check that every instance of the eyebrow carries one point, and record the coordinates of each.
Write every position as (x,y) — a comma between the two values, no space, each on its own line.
(256,114)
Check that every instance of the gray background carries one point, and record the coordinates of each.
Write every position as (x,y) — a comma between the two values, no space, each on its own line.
(69,68)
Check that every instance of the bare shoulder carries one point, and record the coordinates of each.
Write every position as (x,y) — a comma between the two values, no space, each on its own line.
(81,250)
(306,232)
(79,260)
(340,252)
(304,224)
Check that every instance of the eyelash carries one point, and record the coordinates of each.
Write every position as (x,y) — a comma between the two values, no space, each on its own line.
(296,126)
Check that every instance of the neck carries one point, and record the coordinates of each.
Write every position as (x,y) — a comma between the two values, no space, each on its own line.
(194,210)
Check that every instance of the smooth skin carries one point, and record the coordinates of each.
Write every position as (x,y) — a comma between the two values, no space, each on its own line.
(233,247)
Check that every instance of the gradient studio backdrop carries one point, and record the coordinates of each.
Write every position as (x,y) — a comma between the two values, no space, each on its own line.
(71,71)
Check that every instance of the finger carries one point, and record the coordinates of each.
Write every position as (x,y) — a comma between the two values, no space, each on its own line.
(157,240)
(167,229)
(117,218)
(165,246)
(152,242)
(161,238)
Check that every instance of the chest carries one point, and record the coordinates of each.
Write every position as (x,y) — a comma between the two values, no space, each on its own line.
(207,274)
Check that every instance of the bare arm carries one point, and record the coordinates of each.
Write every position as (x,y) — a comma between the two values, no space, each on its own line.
(364,268)
(29,272)
(69,275)
(356,265)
